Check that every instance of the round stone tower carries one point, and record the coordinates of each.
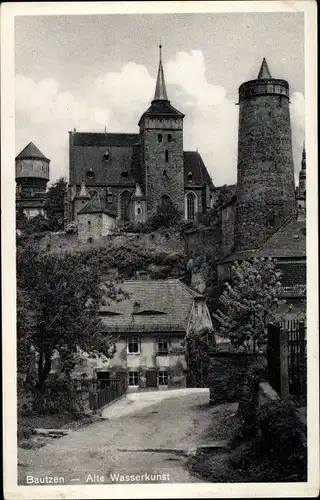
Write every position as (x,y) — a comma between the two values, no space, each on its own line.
(265,175)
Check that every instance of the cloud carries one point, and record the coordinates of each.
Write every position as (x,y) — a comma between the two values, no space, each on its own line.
(116,100)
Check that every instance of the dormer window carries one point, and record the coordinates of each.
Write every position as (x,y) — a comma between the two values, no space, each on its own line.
(90,174)
(106,155)
(190,177)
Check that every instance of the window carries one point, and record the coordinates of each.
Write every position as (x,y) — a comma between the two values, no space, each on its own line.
(169,137)
(133,345)
(191,206)
(163,378)
(190,177)
(106,155)
(165,173)
(124,174)
(90,240)
(159,137)
(89,222)
(90,174)
(138,211)
(133,378)
(109,196)
(163,346)
(167,155)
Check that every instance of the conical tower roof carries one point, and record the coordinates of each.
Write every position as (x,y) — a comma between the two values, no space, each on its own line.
(31,151)
(264,72)
(161,91)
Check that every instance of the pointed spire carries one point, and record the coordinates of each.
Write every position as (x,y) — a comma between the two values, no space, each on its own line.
(83,192)
(264,72)
(303,161)
(161,92)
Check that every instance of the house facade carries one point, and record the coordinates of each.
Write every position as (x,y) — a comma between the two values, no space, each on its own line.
(150,326)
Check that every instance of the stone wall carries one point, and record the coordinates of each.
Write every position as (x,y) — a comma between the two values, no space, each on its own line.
(166,241)
(204,241)
(226,374)
(93,226)
(265,186)
(228,214)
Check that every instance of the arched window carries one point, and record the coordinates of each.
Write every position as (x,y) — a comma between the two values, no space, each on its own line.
(191,200)
(124,199)
(189,176)
(106,155)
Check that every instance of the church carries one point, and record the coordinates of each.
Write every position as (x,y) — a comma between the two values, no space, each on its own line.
(127,177)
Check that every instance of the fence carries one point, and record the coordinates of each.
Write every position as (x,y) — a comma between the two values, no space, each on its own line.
(102,396)
(287,361)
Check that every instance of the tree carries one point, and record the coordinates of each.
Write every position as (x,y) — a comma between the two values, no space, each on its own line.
(250,301)
(60,298)
(54,205)
(200,344)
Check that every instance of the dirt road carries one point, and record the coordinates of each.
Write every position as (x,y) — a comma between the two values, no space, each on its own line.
(145,437)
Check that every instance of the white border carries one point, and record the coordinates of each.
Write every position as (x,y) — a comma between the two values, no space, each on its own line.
(190,490)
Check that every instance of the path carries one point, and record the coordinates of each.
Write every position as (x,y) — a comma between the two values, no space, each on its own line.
(160,422)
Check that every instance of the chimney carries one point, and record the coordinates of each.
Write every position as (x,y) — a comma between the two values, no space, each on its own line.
(142,275)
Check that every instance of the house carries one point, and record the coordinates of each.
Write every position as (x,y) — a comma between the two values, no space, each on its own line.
(150,326)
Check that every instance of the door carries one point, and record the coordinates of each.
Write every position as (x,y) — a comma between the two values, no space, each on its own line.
(151,379)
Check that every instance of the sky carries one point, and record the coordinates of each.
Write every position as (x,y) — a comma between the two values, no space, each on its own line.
(97,72)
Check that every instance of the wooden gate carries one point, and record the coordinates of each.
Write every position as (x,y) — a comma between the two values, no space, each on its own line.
(151,378)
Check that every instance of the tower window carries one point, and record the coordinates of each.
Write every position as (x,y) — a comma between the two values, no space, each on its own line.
(165,173)
(169,137)
(124,174)
(89,222)
(190,177)
(109,195)
(167,155)
(90,174)
(106,155)
(159,137)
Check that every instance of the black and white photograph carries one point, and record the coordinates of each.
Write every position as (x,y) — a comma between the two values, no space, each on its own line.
(159,176)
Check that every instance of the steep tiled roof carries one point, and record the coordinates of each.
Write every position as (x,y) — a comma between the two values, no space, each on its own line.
(31,151)
(96,204)
(88,152)
(264,72)
(288,241)
(152,306)
(193,164)
(97,139)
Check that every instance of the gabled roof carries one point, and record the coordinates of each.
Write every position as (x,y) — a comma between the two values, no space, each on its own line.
(96,204)
(164,305)
(31,151)
(193,164)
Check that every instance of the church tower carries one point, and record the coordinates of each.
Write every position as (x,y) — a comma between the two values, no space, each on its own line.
(265,183)
(161,138)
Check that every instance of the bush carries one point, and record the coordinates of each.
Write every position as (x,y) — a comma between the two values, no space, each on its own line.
(61,396)
(281,433)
